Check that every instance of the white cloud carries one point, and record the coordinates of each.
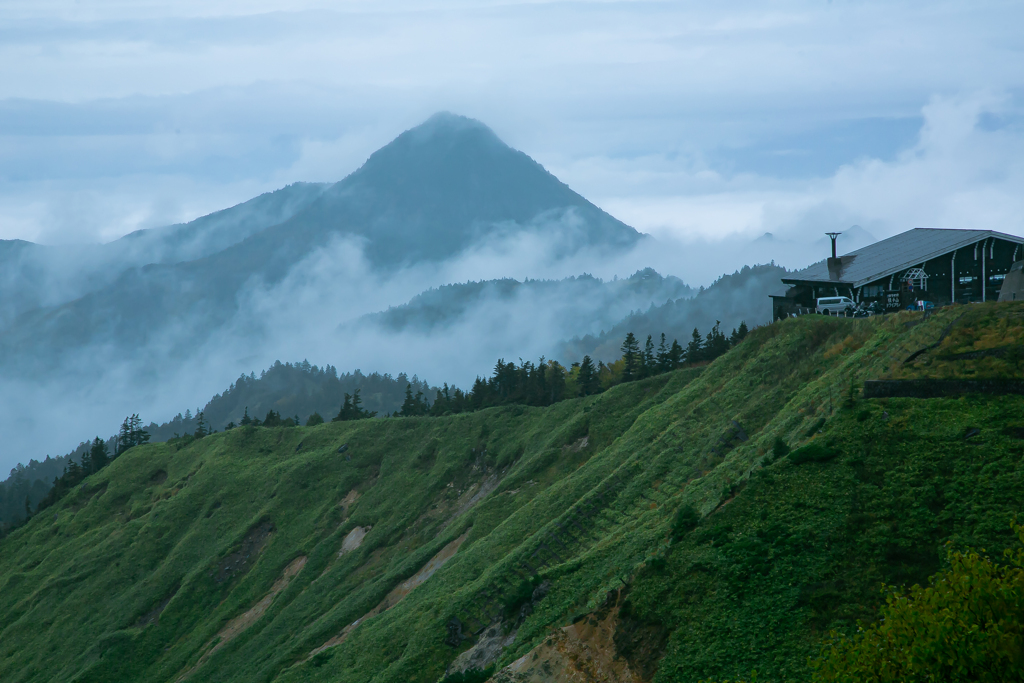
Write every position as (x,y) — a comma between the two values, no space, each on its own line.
(236,94)
(958,175)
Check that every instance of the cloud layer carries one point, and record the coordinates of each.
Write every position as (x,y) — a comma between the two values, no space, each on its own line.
(691,120)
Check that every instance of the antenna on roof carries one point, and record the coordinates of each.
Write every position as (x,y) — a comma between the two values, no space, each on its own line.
(833,235)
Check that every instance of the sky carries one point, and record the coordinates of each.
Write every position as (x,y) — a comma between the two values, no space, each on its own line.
(694,122)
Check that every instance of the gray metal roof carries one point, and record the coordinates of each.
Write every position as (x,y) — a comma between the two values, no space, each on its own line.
(895,255)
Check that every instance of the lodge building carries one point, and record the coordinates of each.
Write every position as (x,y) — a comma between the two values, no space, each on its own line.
(938,265)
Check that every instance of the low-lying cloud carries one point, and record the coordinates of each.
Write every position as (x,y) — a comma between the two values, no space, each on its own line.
(964,170)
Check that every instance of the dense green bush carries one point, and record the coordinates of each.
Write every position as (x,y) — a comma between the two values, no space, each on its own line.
(967,625)
(686,520)
(520,596)
(813,452)
(470,676)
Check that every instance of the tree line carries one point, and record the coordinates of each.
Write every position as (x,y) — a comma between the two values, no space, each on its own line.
(92,460)
(535,384)
(547,381)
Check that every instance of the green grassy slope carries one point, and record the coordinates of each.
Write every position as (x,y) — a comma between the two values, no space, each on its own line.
(133,577)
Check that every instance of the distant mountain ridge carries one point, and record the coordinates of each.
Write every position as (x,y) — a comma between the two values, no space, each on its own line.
(36,276)
(742,296)
(583,300)
(428,195)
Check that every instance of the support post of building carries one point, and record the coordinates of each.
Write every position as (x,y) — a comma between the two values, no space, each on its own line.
(983,273)
(952,279)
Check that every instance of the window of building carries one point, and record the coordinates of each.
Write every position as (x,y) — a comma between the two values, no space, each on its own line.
(997,278)
(967,279)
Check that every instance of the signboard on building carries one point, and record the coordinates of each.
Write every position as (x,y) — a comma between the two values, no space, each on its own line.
(892,300)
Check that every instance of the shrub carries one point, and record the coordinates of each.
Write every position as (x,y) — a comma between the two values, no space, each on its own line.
(470,676)
(522,595)
(967,625)
(686,521)
(816,427)
(813,452)
(780,449)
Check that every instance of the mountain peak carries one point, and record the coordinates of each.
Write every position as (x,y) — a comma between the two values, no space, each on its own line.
(447,123)
(448,183)
(443,134)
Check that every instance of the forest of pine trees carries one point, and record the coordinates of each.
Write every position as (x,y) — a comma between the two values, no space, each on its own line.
(93,460)
(548,382)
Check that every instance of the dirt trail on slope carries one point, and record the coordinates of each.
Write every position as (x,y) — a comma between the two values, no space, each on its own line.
(400,591)
(243,621)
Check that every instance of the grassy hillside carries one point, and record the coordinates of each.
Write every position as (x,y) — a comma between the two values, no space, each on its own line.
(241,556)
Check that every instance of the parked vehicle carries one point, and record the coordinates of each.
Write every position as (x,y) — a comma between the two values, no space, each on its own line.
(834,305)
(921,306)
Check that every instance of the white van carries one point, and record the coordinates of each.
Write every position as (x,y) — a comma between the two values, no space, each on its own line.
(835,305)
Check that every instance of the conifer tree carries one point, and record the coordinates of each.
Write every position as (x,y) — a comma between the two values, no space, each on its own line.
(440,403)
(314,420)
(630,358)
(675,355)
(98,454)
(73,473)
(87,465)
(201,429)
(130,435)
(357,410)
(409,404)
(246,420)
(662,359)
(478,395)
(716,343)
(587,380)
(648,361)
(346,410)
(694,350)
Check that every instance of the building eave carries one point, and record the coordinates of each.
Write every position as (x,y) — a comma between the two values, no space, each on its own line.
(973,238)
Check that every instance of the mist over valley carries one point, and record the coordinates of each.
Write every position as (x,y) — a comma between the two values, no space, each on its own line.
(444,252)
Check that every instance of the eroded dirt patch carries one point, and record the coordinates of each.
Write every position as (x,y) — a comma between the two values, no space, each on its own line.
(485,650)
(153,616)
(588,650)
(240,561)
(577,445)
(400,591)
(353,539)
(472,496)
(348,501)
(243,621)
